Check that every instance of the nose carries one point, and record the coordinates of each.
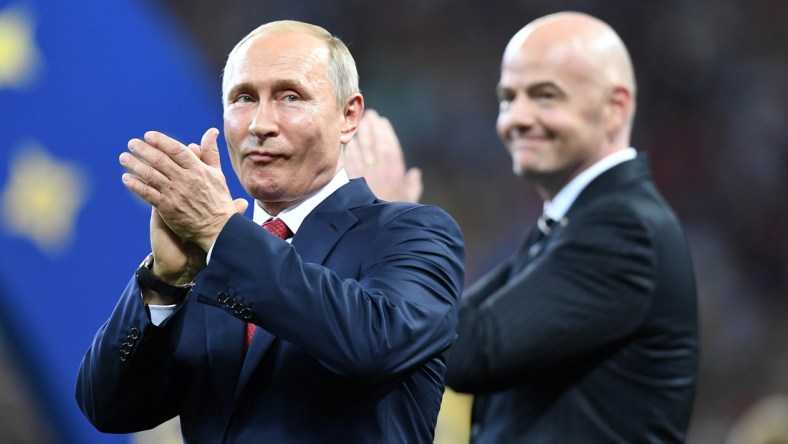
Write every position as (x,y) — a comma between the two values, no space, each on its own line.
(515,117)
(264,122)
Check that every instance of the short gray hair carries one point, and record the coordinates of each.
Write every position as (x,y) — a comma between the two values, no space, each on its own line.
(342,70)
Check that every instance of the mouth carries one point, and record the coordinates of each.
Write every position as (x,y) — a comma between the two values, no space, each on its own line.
(527,143)
(262,156)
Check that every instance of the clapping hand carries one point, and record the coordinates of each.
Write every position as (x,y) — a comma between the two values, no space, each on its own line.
(375,154)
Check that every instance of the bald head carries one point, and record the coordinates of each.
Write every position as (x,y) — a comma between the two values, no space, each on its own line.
(567,98)
(584,43)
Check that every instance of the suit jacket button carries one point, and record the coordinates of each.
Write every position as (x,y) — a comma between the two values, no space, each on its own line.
(222,297)
(135,333)
(246,314)
(237,307)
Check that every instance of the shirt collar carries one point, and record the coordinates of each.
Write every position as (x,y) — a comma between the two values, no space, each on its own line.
(557,207)
(294,216)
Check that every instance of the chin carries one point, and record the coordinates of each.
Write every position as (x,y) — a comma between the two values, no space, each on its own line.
(263,190)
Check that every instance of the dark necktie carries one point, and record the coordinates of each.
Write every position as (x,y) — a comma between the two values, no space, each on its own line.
(545,227)
(280,230)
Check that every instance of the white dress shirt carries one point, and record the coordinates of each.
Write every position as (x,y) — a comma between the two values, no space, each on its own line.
(556,208)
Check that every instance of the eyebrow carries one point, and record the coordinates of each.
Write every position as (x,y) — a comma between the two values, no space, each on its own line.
(501,89)
(282,84)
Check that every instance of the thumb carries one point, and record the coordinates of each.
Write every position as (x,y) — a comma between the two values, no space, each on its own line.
(210,149)
(241,205)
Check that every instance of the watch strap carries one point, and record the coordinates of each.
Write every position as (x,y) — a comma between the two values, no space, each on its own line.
(150,281)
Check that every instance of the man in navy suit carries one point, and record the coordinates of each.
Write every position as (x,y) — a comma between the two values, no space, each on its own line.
(588,334)
(351,307)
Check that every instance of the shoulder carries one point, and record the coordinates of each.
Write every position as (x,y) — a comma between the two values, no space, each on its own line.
(416,215)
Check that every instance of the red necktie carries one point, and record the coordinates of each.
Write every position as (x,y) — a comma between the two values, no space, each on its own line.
(280,230)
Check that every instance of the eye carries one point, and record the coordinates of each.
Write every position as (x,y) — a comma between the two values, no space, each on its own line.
(291,98)
(545,94)
(505,99)
(243,98)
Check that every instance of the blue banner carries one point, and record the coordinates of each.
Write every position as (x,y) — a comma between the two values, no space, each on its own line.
(77,81)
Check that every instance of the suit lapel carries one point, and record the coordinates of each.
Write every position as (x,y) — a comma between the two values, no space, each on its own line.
(329,221)
(630,171)
(261,342)
(618,176)
(316,237)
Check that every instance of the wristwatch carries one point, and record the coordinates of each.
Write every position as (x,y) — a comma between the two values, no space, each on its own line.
(149,280)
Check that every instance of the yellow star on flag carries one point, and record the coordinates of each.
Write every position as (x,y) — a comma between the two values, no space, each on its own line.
(19,55)
(42,198)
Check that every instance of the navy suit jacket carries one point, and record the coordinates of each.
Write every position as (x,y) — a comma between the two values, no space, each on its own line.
(355,320)
(588,335)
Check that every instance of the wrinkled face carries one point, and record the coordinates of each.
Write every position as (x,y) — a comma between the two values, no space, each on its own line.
(282,123)
(551,116)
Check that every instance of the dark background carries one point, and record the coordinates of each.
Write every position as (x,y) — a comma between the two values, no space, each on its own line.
(712,115)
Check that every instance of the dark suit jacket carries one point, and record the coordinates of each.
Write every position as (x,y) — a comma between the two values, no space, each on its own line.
(594,339)
(356,315)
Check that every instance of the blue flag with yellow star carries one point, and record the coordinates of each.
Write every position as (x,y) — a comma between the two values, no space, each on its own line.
(77,81)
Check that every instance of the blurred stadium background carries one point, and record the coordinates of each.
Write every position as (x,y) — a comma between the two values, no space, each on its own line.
(78,79)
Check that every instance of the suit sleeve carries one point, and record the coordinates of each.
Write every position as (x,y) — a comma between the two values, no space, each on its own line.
(123,384)
(587,291)
(395,310)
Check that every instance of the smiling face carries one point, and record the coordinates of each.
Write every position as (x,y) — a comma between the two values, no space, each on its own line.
(283,125)
(560,110)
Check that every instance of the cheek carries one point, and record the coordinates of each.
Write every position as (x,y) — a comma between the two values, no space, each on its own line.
(235,127)
(500,125)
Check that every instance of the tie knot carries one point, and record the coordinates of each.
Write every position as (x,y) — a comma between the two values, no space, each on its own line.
(278,228)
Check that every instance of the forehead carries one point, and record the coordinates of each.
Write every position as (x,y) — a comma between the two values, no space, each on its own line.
(278,54)
(537,60)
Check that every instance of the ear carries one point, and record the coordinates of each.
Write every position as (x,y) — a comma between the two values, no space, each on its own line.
(353,110)
(620,109)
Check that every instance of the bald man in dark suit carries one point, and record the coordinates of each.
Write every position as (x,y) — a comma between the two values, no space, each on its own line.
(589,332)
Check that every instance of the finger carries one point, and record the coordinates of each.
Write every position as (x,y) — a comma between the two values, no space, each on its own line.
(366,137)
(151,155)
(353,158)
(389,149)
(143,170)
(241,205)
(210,148)
(141,189)
(413,185)
(175,150)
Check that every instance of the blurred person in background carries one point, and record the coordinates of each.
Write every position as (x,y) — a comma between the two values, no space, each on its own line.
(589,333)
(333,326)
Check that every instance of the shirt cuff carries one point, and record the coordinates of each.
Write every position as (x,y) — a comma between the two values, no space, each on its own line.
(160,313)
